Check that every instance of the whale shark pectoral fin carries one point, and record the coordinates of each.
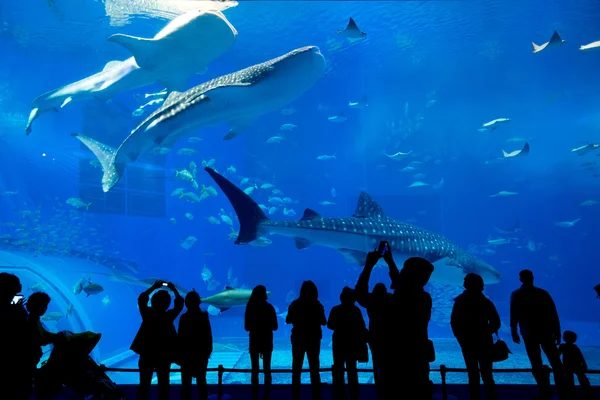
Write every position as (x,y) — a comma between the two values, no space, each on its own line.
(238,125)
(143,50)
(33,115)
(301,243)
(353,256)
(525,150)
(67,101)
(106,155)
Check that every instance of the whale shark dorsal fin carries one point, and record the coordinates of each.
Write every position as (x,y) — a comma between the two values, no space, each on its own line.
(352,25)
(310,214)
(368,208)
(229,288)
(142,49)
(525,150)
(171,98)
(555,38)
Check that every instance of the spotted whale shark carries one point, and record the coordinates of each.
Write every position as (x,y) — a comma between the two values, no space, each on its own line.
(359,234)
(184,47)
(238,99)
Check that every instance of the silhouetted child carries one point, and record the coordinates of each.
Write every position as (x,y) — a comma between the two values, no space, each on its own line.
(260,320)
(156,341)
(195,346)
(574,363)
(36,335)
(349,344)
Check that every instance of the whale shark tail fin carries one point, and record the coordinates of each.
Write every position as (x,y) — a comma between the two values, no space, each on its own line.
(106,155)
(142,49)
(248,212)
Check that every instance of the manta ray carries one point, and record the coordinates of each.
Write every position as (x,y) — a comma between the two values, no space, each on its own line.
(181,49)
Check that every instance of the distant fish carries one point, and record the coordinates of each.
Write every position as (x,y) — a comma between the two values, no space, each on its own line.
(54,316)
(78,203)
(337,118)
(567,224)
(92,288)
(523,152)
(326,157)
(555,41)
(288,111)
(592,45)
(504,193)
(418,184)
(333,192)
(288,127)
(397,156)
(493,125)
(498,242)
(588,203)
(583,150)
(351,31)
(327,203)
(359,104)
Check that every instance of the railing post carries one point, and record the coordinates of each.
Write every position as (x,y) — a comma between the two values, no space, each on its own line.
(220,372)
(443,373)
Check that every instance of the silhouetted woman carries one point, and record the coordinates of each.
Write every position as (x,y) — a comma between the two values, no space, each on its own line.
(195,346)
(474,320)
(375,304)
(156,340)
(307,315)
(260,320)
(349,344)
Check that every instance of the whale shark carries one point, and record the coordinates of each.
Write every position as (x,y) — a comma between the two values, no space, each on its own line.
(238,98)
(184,47)
(359,234)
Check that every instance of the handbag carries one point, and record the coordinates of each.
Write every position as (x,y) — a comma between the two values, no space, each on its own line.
(500,350)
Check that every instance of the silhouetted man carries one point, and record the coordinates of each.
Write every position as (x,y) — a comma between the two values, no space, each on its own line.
(533,311)
(307,315)
(474,320)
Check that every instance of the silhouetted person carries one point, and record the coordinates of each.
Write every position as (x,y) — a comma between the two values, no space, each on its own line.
(37,335)
(195,346)
(408,348)
(574,364)
(307,315)
(474,320)
(156,341)
(349,340)
(260,320)
(532,310)
(375,304)
(13,341)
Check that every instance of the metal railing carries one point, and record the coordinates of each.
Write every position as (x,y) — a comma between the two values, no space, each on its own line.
(443,370)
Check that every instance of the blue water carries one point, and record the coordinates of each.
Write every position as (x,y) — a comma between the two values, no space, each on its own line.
(433,73)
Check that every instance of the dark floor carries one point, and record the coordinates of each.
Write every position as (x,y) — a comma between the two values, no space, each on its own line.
(281,392)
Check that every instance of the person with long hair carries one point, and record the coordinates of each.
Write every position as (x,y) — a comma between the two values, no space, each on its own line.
(260,320)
